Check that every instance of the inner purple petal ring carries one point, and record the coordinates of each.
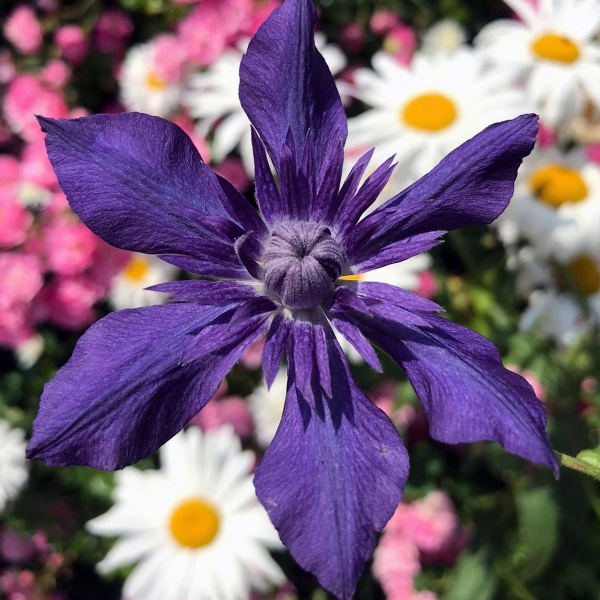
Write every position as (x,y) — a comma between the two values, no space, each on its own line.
(301,262)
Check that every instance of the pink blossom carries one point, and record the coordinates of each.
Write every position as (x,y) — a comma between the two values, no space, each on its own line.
(202,35)
(531,379)
(113,30)
(232,410)
(256,18)
(23,30)
(72,43)
(68,302)
(168,57)
(188,126)
(592,153)
(546,137)
(56,74)
(384,396)
(9,170)
(383,21)
(352,37)
(233,170)
(16,326)
(427,286)
(15,221)
(27,97)
(401,41)
(69,246)
(7,67)
(35,166)
(20,278)
(252,357)
(107,261)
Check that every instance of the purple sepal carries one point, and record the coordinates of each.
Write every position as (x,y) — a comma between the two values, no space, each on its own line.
(471,186)
(208,268)
(333,475)
(285,85)
(131,177)
(209,293)
(123,393)
(465,390)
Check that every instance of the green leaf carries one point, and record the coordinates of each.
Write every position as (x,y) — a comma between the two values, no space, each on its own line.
(473,579)
(538,530)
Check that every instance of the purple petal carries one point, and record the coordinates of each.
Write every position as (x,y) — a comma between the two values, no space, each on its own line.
(267,194)
(332,476)
(354,336)
(209,293)
(207,268)
(396,296)
(136,181)
(275,345)
(471,186)
(124,393)
(466,392)
(286,86)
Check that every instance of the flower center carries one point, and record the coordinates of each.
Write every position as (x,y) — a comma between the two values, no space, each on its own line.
(585,274)
(154,82)
(194,523)
(301,263)
(556,48)
(136,270)
(555,185)
(430,112)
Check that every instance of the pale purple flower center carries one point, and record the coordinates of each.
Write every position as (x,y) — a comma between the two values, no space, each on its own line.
(301,263)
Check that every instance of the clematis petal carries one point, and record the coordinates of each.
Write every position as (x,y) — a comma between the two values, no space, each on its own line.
(471,186)
(209,293)
(459,378)
(136,181)
(124,393)
(287,88)
(333,475)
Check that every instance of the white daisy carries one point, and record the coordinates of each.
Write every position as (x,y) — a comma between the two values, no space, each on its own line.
(142,88)
(142,271)
(552,51)
(212,98)
(422,111)
(556,204)
(13,465)
(266,406)
(563,295)
(195,527)
(445,36)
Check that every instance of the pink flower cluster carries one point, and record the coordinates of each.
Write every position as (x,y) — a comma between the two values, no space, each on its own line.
(18,582)
(423,532)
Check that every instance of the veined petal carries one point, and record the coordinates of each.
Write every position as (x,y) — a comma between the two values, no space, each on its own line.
(135,180)
(471,186)
(465,390)
(208,293)
(124,392)
(332,476)
(286,86)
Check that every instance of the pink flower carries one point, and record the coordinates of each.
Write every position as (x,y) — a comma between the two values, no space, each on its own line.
(15,221)
(9,170)
(401,41)
(383,21)
(531,379)
(72,43)
(384,396)
(23,30)
(7,67)
(35,166)
(233,170)
(188,126)
(113,30)
(232,410)
(168,58)
(592,153)
(352,37)
(202,35)
(20,278)
(252,357)
(256,18)
(69,302)
(427,286)
(546,137)
(27,97)
(56,74)
(16,326)
(69,246)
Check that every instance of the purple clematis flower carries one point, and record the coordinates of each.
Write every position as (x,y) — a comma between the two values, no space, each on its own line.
(335,471)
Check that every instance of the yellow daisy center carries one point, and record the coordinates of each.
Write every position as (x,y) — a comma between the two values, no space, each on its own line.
(359,277)
(194,523)
(136,270)
(584,273)
(430,112)
(555,185)
(155,83)
(556,48)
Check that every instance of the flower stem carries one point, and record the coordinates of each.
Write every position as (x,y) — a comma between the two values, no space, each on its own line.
(578,465)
